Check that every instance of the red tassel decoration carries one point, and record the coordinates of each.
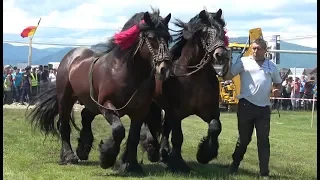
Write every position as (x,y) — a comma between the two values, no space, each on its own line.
(126,38)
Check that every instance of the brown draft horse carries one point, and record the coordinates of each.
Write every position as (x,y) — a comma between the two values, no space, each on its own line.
(115,83)
(191,91)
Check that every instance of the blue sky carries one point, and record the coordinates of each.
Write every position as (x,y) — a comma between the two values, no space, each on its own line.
(90,22)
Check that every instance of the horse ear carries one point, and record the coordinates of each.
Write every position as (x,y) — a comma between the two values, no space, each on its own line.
(187,34)
(218,14)
(167,18)
(147,19)
(203,15)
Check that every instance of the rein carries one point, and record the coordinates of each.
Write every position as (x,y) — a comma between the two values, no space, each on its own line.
(199,66)
(202,62)
(107,108)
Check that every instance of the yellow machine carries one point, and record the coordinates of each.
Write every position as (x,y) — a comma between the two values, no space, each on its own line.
(229,90)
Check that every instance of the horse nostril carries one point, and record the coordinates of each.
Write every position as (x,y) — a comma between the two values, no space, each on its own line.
(162,70)
(217,55)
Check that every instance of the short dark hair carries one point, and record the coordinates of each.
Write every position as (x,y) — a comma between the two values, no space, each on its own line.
(262,43)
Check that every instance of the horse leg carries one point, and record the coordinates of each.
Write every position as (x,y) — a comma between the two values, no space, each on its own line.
(86,137)
(65,107)
(129,162)
(175,161)
(150,132)
(209,145)
(164,142)
(110,149)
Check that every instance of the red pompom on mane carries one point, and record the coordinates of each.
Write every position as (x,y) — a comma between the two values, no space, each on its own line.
(226,39)
(126,38)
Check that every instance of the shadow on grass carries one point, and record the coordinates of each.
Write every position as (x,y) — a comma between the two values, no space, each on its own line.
(89,163)
(209,171)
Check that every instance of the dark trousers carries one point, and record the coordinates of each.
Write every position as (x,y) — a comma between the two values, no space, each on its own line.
(250,116)
(34,91)
(8,97)
(24,93)
(17,93)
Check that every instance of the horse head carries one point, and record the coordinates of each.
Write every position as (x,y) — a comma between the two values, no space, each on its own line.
(151,35)
(206,31)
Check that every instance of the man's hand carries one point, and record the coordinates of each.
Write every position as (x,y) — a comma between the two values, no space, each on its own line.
(276,93)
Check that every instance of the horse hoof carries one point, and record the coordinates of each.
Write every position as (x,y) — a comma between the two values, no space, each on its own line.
(69,159)
(207,152)
(108,157)
(178,165)
(82,155)
(131,168)
(164,155)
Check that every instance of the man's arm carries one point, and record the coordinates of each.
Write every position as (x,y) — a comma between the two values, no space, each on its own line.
(237,67)
(277,82)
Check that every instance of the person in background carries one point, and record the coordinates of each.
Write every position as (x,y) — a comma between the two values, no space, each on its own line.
(302,89)
(26,86)
(5,70)
(295,93)
(13,89)
(34,82)
(55,72)
(308,93)
(39,72)
(44,79)
(17,80)
(257,75)
(289,90)
(7,88)
(285,94)
(52,78)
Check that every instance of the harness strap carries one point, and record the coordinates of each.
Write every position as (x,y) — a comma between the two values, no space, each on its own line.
(199,66)
(92,91)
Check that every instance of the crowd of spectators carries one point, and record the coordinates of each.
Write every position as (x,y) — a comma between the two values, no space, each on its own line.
(299,93)
(21,85)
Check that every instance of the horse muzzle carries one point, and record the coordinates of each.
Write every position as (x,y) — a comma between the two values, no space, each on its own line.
(163,71)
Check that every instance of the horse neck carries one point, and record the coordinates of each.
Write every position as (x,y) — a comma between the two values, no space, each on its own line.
(140,68)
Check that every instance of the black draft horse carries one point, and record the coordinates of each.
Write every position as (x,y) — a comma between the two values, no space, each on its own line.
(193,90)
(115,83)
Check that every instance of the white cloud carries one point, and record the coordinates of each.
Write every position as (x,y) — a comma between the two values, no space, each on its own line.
(92,15)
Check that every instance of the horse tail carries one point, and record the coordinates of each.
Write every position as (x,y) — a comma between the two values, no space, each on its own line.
(45,111)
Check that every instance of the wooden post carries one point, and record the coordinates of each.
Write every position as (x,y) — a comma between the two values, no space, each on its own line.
(30,45)
(30,52)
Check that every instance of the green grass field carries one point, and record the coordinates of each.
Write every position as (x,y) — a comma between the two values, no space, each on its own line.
(28,155)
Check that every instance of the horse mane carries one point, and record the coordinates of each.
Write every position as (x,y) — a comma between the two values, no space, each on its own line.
(195,24)
(128,30)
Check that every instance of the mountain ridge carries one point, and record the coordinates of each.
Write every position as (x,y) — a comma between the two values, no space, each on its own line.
(19,54)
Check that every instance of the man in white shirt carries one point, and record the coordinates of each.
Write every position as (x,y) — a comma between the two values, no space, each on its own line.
(52,79)
(257,75)
(52,76)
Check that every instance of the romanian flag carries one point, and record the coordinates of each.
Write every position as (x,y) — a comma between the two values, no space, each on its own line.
(29,31)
